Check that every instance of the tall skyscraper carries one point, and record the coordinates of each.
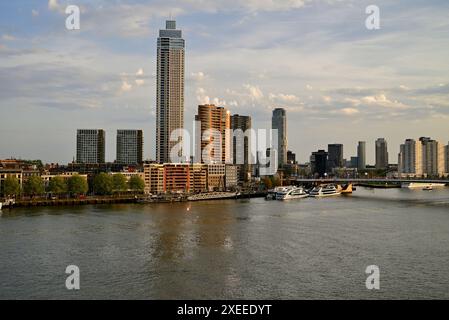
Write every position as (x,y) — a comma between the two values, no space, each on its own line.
(279,122)
(432,157)
(410,158)
(213,119)
(381,154)
(335,158)
(170,89)
(446,158)
(239,145)
(90,146)
(318,162)
(361,155)
(129,147)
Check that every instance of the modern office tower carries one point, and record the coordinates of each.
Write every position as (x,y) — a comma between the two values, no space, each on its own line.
(410,158)
(129,147)
(242,123)
(213,140)
(318,162)
(381,154)
(170,89)
(90,146)
(279,122)
(432,157)
(361,155)
(291,157)
(335,158)
(241,145)
(354,162)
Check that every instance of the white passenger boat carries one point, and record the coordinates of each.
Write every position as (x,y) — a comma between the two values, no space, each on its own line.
(325,191)
(272,194)
(292,193)
(421,185)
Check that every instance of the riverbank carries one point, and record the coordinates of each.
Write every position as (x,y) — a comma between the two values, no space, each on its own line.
(380,185)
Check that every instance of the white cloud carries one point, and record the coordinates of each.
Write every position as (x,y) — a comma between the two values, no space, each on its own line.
(254,92)
(8,37)
(140,82)
(126,86)
(54,5)
(286,98)
(349,111)
(382,101)
(139,72)
(34,13)
(197,76)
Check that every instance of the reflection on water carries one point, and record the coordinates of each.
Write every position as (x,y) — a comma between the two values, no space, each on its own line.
(251,249)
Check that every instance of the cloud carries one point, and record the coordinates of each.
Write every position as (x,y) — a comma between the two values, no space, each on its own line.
(34,13)
(254,92)
(197,76)
(382,101)
(8,37)
(139,72)
(285,98)
(349,111)
(140,82)
(54,5)
(125,86)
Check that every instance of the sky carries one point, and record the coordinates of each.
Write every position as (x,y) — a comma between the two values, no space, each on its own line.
(338,81)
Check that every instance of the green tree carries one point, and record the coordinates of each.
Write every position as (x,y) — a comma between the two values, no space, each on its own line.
(34,186)
(119,183)
(77,185)
(103,184)
(267,182)
(136,184)
(11,187)
(58,186)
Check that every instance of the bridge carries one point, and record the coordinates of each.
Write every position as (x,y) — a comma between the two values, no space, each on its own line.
(370,180)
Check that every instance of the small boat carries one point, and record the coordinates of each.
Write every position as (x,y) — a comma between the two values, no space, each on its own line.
(325,191)
(1,204)
(271,195)
(292,193)
(428,188)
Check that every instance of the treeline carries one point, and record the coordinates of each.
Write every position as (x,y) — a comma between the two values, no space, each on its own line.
(102,184)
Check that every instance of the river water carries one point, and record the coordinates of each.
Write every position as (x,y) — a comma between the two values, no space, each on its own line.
(232,249)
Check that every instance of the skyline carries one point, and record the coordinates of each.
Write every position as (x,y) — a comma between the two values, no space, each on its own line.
(328,72)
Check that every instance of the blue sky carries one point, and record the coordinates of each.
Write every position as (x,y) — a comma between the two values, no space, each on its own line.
(339,82)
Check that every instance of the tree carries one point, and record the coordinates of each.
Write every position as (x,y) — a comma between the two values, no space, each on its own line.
(103,184)
(11,186)
(136,184)
(267,182)
(119,183)
(77,185)
(58,186)
(34,186)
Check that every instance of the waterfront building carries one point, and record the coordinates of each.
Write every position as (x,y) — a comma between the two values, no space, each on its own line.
(90,146)
(447,159)
(318,163)
(153,178)
(231,176)
(361,155)
(432,157)
(279,122)
(129,147)
(410,159)
(47,177)
(170,89)
(335,157)
(242,125)
(213,145)
(381,154)
(10,172)
(198,178)
(216,177)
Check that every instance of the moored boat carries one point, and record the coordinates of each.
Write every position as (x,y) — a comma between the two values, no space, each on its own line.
(292,193)
(325,191)
(414,185)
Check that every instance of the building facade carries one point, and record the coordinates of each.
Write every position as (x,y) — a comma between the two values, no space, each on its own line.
(410,159)
(170,89)
(335,157)
(90,146)
(279,123)
(318,163)
(216,174)
(213,141)
(381,154)
(361,155)
(242,156)
(432,157)
(129,147)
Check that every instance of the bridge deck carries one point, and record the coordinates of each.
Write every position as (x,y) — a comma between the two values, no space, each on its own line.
(377,180)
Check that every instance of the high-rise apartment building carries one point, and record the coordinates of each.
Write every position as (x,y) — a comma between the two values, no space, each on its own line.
(446,158)
(279,122)
(361,155)
(90,146)
(213,145)
(335,157)
(170,89)
(318,162)
(241,145)
(129,147)
(381,154)
(432,157)
(410,158)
